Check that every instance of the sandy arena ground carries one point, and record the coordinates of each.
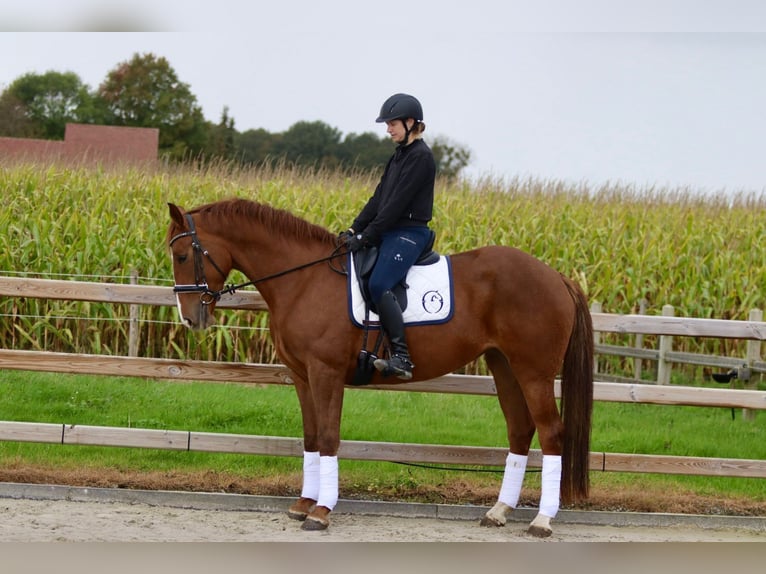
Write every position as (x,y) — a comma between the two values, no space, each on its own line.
(25,520)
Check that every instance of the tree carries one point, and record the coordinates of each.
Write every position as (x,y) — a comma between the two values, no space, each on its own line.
(146,92)
(42,104)
(310,143)
(220,142)
(254,146)
(14,120)
(365,151)
(450,157)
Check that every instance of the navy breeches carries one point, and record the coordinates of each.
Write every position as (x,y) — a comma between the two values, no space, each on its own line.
(397,252)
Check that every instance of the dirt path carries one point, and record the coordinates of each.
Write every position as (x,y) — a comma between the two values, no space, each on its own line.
(25,520)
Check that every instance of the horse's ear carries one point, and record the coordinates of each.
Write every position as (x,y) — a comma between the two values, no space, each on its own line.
(177,215)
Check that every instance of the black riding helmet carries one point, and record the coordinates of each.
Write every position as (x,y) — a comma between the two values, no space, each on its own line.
(400,107)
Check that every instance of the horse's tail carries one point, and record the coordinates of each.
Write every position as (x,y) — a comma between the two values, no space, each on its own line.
(577,400)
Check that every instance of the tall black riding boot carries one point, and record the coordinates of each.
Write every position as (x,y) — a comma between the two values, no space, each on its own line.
(399,363)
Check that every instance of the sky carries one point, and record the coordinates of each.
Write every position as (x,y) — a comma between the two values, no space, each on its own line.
(650,94)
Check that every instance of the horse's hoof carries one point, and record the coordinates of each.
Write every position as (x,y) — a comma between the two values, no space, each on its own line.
(540,526)
(297,515)
(301,508)
(539,532)
(314,524)
(497,515)
(491,522)
(318,519)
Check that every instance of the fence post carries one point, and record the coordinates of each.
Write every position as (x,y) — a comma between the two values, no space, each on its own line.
(639,343)
(666,345)
(595,307)
(753,355)
(133,324)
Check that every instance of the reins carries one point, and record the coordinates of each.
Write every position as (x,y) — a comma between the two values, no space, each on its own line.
(232,288)
(207,296)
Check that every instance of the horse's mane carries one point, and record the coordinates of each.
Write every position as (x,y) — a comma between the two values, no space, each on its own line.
(246,214)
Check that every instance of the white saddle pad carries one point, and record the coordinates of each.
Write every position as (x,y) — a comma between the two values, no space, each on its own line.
(429,296)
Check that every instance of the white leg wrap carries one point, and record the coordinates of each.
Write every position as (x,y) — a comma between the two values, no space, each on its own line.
(328,481)
(513,477)
(310,475)
(551,485)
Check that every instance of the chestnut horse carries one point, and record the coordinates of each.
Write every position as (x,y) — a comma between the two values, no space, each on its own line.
(529,322)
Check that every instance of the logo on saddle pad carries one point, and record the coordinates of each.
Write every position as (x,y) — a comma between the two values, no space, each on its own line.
(429,295)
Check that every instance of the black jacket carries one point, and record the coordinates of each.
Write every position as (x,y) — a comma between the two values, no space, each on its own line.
(405,194)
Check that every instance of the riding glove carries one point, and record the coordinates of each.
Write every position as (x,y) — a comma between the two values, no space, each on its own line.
(343,237)
(357,242)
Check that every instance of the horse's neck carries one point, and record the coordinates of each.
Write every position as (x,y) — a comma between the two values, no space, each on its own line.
(277,266)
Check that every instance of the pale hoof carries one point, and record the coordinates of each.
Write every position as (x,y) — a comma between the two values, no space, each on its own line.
(540,527)
(490,522)
(496,516)
(538,532)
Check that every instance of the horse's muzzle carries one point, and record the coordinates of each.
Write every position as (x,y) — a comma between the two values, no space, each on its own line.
(206,320)
(196,316)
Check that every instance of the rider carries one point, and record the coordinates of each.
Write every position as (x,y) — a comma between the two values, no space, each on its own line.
(395,218)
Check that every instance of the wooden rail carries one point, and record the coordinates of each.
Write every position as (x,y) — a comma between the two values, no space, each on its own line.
(270,374)
(54,433)
(115,293)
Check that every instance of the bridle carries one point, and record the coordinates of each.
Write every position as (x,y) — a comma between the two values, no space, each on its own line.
(208,296)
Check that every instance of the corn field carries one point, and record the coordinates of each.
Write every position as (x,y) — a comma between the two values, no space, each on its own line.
(703,254)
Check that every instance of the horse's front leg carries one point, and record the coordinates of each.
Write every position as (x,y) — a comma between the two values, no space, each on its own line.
(326,391)
(301,508)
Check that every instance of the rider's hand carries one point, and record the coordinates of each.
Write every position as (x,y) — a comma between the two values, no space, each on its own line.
(357,242)
(343,237)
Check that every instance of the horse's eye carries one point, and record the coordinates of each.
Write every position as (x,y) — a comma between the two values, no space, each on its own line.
(182,258)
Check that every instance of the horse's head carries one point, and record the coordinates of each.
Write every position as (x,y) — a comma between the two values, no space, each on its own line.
(201,264)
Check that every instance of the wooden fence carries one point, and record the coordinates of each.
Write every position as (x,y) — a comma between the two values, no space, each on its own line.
(665,357)
(170,369)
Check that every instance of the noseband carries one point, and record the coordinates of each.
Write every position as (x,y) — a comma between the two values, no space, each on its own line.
(200,286)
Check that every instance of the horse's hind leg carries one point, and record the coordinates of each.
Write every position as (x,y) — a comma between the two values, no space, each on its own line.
(549,497)
(541,403)
(521,429)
